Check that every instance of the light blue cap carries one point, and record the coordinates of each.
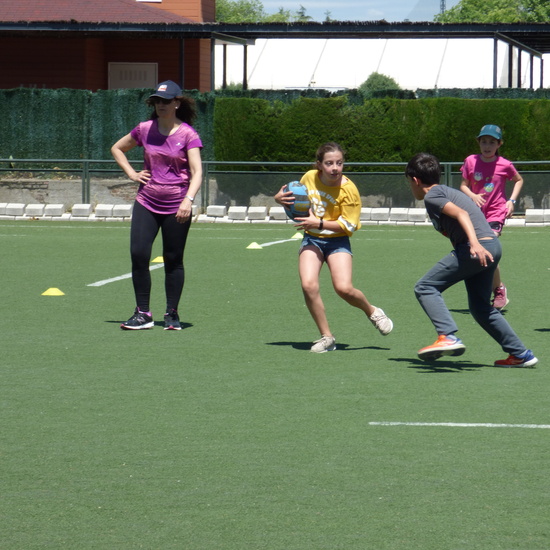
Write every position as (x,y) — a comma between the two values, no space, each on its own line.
(491,130)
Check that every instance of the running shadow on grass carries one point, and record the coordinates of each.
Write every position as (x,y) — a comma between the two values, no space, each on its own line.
(183,325)
(440,366)
(306,346)
(461,311)
(296,345)
(346,347)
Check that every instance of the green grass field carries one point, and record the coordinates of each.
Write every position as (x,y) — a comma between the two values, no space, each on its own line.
(230,434)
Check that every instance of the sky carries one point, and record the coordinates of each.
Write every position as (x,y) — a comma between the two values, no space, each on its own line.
(363,10)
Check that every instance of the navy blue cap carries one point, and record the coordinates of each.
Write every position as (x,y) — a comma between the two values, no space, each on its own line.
(167,90)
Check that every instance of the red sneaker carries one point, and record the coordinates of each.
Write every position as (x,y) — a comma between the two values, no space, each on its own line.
(527,359)
(444,345)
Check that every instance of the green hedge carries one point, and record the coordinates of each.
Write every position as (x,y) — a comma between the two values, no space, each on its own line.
(377,130)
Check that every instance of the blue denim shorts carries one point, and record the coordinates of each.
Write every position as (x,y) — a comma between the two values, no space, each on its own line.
(327,246)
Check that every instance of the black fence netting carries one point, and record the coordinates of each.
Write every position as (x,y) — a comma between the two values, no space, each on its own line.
(44,123)
(79,124)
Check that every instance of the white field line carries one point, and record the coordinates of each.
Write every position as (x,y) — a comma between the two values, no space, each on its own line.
(121,277)
(278,242)
(462,425)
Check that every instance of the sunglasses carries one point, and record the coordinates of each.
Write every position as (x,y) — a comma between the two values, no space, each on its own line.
(156,100)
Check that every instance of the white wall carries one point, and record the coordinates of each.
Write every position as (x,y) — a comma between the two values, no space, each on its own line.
(344,63)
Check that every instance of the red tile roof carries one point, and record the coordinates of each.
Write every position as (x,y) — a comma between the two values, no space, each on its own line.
(86,11)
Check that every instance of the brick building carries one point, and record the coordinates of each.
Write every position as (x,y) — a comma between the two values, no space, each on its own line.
(104,44)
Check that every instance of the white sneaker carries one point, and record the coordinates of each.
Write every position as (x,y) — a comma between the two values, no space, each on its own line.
(381,321)
(326,343)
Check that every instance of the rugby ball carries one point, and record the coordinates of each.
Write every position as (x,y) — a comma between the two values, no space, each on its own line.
(301,206)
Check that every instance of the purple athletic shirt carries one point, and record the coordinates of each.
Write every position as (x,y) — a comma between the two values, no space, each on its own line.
(166,158)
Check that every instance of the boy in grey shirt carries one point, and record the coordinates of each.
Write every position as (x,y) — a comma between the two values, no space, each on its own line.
(474,259)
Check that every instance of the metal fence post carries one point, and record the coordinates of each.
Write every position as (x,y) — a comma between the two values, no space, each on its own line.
(86,182)
(205,194)
(447,176)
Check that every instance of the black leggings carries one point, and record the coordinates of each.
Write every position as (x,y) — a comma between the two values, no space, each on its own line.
(144,229)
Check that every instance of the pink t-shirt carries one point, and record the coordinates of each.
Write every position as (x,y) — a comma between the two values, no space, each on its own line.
(166,158)
(489,179)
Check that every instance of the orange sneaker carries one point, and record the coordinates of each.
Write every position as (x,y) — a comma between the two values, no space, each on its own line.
(444,345)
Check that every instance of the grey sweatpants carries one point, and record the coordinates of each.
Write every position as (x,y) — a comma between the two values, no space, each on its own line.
(459,266)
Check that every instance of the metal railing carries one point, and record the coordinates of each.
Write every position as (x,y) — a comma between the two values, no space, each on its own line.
(87,169)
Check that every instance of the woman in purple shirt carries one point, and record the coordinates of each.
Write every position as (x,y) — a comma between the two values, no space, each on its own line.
(168,183)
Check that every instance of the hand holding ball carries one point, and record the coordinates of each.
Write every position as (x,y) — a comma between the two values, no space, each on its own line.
(300,207)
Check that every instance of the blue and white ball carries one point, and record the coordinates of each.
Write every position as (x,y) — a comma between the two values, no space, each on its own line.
(301,206)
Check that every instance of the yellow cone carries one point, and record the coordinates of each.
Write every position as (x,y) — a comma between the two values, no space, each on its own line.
(53,292)
(158,260)
(254,246)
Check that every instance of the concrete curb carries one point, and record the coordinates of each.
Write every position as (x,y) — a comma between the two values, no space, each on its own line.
(235,214)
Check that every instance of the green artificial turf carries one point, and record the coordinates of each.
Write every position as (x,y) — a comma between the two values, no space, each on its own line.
(230,434)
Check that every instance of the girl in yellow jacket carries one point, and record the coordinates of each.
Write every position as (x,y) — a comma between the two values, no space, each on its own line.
(333,218)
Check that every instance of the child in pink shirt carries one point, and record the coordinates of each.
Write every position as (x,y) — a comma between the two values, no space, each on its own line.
(484,178)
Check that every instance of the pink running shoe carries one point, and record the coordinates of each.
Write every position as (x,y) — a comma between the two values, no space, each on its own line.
(500,298)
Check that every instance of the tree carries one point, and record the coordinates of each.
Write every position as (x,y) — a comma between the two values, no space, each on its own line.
(497,11)
(537,11)
(252,11)
(282,16)
(301,16)
(240,11)
(377,82)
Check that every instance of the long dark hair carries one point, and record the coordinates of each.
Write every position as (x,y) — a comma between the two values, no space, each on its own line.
(186,112)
